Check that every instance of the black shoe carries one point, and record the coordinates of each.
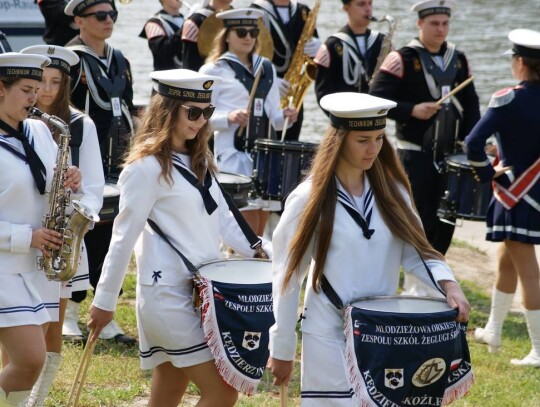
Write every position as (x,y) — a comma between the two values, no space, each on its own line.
(125,340)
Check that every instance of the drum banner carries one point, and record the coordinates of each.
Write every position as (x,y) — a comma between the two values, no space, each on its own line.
(398,359)
(236,320)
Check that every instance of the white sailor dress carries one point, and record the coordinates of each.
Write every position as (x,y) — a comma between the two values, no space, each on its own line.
(21,211)
(512,116)
(231,95)
(169,328)
(356,267)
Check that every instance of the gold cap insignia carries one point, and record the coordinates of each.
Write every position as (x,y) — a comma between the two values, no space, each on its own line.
(207,84)
(51,50)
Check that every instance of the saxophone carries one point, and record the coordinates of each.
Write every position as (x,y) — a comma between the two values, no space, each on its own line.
(302,69)
(386,46)
(62,265)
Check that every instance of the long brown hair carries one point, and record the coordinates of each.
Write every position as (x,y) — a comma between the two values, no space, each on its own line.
(60,107)
(154,137)
(387,178)
(221,46)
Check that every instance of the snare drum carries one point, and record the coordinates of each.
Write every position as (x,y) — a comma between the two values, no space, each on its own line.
(406,349)
(111,199)
(237,186)
(237,314)
(279,166)
(465,197)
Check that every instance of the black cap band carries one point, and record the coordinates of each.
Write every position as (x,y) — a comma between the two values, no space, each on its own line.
(21,72)
(434,10)
(239,22)
(526,52)
(78,10)
(204,96)
(59,64)
(362,123)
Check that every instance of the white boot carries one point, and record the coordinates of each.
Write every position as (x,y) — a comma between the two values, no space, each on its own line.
(14,398)
(45,380)
(533,325)
(71,326)
(491,333)
(113,331)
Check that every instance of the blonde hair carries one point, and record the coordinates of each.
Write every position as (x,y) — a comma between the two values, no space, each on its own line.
(387,178)
(154,137)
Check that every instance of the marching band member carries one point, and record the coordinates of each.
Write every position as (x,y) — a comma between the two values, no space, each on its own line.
(168,179)
(416,76)
(53,99)
(28,155)
(234,59)
(163,32)
(59,27)
(286,20)
(101,88)
(353,224)
(513,216)
(190,33)
(345,62)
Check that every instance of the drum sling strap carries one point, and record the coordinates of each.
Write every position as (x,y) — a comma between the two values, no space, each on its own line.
(76,132)
(433,346)
(236,318)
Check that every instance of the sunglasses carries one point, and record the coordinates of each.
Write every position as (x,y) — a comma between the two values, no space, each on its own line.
(102,15)
(243,32)
(194,112)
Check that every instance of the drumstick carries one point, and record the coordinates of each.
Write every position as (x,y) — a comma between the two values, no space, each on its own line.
(80,377)
(455,90)
(286,123)
(251,97)
(283,395)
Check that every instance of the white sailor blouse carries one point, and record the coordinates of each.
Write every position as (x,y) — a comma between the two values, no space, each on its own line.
(230,94)
(355,267)
(179,211)
(21,205)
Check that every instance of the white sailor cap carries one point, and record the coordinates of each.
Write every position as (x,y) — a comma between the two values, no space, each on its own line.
(77,7)
(61,58)
(240,17)
(184,84)
(526,43)
(17,65)
(429,7)
(357,111)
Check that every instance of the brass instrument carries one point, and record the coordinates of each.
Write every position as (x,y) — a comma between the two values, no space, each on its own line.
(302,69)
(62,265)
(211,27)
(386,46)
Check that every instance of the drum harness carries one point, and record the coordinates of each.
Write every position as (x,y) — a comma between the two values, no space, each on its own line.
(360,221)
(254,241)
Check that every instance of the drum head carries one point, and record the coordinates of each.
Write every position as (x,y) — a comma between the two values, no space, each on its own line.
(111,190)
(238,271)
(227,178)
(403,304)
(458,160)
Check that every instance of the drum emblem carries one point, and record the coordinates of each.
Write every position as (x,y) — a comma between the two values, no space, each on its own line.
(430,371)
(251,340)
(393,378)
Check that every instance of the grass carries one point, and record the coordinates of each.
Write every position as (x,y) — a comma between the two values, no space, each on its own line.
(115,378)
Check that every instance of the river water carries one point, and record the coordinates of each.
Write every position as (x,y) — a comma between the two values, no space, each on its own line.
(478,27)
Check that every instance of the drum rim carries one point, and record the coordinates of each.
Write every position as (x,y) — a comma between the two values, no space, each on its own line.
(290,143)
(406,297)
(206,263)
(242,176)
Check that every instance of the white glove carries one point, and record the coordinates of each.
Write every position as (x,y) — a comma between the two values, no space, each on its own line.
(283,88)
(312,46)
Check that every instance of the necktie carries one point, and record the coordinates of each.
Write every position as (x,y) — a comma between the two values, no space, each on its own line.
(36,165)
(209,203)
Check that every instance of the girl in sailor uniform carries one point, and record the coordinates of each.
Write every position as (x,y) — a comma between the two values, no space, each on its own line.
(513,216)
(168,180)
(53,99)
(236,125)
(28,156)
(355,173)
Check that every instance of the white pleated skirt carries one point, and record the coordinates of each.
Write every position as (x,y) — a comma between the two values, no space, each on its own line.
(169,329)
